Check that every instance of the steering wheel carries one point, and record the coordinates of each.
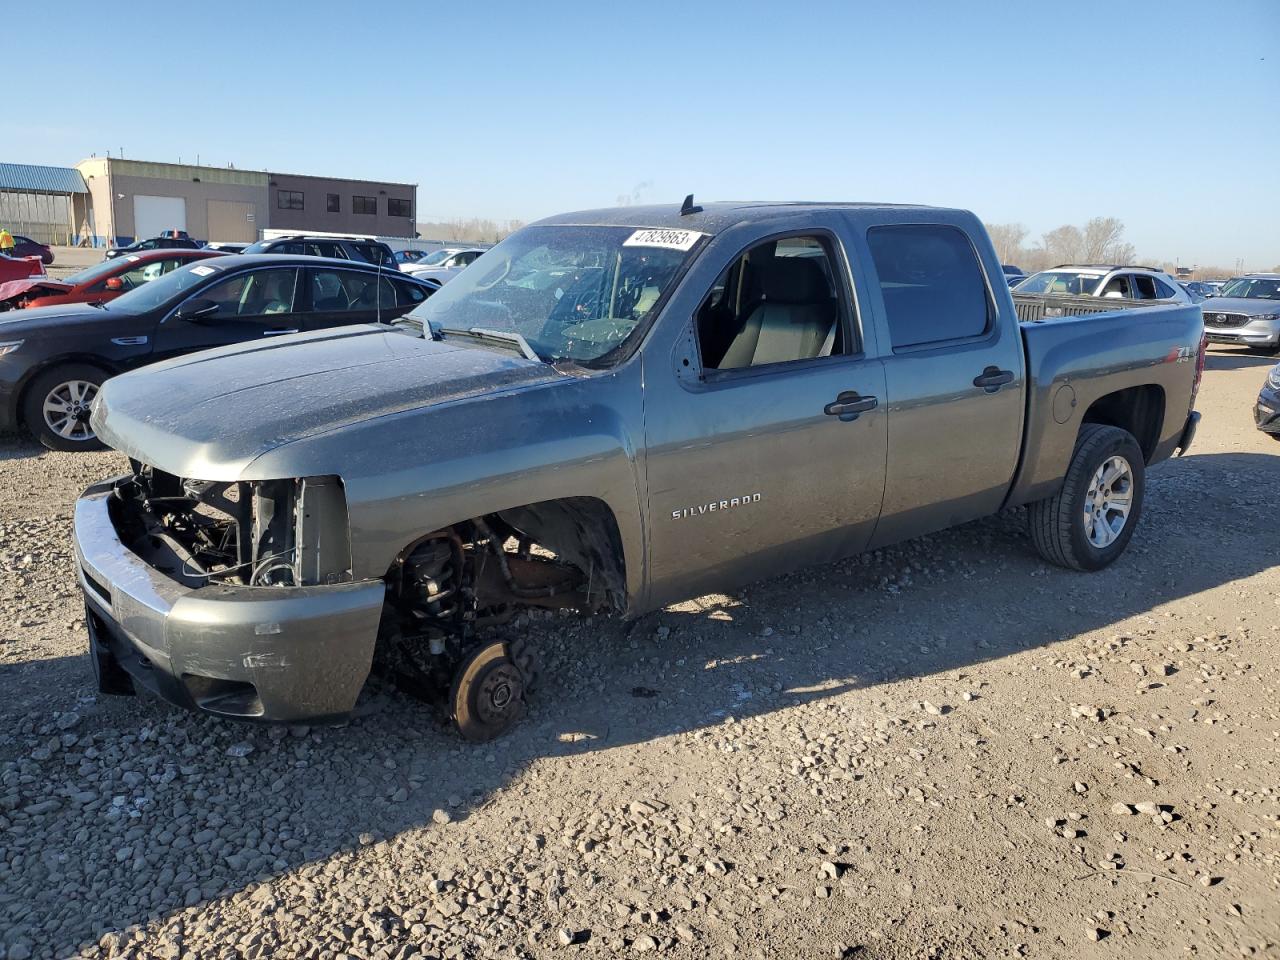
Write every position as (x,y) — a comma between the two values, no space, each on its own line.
(506,271)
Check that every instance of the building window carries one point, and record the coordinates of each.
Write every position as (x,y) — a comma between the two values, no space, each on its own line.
(399,208)
(289,199)
(364,205)
(332,203)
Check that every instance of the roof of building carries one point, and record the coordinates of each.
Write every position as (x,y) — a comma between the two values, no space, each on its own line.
(29,178)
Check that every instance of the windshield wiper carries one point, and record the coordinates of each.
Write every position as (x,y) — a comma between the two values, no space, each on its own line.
(503,336)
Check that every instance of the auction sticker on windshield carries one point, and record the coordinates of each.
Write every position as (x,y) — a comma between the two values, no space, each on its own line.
(203,271)
(667,239)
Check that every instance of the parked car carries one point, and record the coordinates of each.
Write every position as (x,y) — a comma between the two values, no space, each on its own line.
(610,411)
(18,268)
(154,243)
(99,283)
(444,265)
(1266,412)
(1012,274)
(227,246)
(53,359)
(341,248)
(1106,280)
(26,247)
(1198,290)
(1246,312)
(406,258)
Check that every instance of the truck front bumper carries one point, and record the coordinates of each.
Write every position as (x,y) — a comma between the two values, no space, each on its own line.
(280,654)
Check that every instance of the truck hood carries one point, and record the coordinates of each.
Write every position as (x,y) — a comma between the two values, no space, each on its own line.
(211,414)
(1253,306)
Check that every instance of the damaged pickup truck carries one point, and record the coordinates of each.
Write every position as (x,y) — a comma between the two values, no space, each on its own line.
(609,411)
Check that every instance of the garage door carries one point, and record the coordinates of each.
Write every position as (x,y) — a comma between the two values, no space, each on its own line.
(232,221)
(152,216)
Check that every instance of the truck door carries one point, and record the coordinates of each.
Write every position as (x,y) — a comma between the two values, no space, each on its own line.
(954,380)
(765,433)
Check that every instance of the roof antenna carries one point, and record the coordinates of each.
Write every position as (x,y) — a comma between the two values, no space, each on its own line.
(688,207)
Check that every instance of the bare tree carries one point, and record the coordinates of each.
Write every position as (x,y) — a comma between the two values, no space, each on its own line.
(1063,245)
(1007,239)
(1102,242)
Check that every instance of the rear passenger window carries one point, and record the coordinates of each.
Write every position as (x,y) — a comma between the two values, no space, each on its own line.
(1163,290)
(1118,286)
(931,282)
(778,302)
(1146,286)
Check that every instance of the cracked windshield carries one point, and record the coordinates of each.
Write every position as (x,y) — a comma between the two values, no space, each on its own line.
(572,293)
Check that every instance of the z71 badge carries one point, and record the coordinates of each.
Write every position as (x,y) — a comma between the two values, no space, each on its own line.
(715,506)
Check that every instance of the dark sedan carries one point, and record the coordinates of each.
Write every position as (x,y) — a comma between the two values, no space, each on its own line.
(154,243)
(26,247)
(54,359)
(1266,413)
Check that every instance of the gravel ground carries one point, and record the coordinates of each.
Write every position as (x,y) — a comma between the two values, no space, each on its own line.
(946,749)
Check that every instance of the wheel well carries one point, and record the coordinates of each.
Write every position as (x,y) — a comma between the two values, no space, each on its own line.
(1140,410)
(581,531)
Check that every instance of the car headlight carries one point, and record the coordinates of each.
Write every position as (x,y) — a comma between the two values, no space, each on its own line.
(1273,378)
(9,346)
(1261,316)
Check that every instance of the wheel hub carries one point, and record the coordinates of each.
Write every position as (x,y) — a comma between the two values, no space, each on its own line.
(1108,501)
(488,693)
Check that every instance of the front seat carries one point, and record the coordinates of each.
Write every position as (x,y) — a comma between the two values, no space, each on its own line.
(794,319)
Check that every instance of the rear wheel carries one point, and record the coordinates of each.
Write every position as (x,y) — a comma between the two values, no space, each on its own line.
(1091,520)
(56,407)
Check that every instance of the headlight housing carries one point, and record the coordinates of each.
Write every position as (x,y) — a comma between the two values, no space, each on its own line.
(8,346)
(1273,378)
(1265,317)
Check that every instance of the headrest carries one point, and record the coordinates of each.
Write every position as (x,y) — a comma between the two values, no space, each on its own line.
(794,280)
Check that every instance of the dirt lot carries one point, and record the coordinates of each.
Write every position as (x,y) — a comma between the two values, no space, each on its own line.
(948,749)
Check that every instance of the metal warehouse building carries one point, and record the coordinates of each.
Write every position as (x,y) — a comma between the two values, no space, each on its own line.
(47,204)
(110,200)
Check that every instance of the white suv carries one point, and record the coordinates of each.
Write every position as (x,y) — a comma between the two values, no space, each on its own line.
(1105,280)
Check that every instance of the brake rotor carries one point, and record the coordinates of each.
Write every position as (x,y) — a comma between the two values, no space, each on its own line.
(488,693)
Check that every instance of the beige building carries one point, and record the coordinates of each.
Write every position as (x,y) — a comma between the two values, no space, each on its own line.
(133,199)
(332,205)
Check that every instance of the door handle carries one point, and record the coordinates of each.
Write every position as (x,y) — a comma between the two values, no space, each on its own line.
(277,331)
(849,404)
(992,379)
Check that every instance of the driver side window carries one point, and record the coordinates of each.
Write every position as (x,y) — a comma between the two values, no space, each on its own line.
(263,292)
(778,302)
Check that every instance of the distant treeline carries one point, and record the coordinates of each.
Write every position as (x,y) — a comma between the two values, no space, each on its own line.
(474,230)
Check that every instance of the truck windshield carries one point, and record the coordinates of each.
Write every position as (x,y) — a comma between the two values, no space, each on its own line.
(1061,281)
(572,292)
(1257,288)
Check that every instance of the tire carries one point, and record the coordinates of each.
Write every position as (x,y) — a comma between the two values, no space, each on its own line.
(72,385)
(1072,530)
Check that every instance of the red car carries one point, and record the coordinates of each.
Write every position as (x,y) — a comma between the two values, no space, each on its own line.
(16,268)
(99,283)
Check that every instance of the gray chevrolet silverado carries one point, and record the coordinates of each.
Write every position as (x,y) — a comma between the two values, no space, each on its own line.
(609,411)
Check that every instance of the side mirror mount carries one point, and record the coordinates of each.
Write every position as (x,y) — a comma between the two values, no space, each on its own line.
(115,284)
(197,311)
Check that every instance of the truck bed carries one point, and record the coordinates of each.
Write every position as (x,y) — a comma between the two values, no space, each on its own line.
(1078,362)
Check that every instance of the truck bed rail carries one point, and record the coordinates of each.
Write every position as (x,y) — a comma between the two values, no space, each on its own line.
(1034,307)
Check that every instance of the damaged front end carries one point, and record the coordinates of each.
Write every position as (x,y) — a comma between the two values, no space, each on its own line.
(260,533)
(232,598)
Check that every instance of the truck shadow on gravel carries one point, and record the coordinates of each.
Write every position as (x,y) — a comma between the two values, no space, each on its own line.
(121,810)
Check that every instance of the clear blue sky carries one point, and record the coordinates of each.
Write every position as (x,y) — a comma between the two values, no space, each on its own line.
(1163,113)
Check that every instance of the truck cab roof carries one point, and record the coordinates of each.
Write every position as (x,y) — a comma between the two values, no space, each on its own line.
(714,217)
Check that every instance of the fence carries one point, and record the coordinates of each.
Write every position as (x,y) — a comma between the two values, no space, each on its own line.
(44,217)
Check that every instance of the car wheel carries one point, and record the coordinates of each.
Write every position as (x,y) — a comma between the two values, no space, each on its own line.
(56,407)
(1091,520)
